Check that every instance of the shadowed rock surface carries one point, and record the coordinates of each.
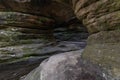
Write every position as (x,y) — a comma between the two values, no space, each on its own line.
(30,32)
(41,28)
(102,19)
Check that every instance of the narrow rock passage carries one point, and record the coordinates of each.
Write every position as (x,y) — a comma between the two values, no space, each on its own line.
(23,49)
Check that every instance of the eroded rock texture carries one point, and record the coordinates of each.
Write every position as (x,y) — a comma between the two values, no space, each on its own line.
(30,23)
(33,30)
(66,66)
(26,25)
(102,19)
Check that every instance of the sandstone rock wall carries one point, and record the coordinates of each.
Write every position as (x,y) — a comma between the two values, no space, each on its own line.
(27,34)
(102,19)
(29,22)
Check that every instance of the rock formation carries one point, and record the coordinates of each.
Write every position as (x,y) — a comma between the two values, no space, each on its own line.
(102,20)
(33,30)
(26,25)
(66,66)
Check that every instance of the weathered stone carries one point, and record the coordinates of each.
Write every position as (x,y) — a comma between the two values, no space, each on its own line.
(14,70)
(20,46)
(102,19)
(22,20)
(103,49)
(58,11)
(98,15)
(66,66)
(26,23)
